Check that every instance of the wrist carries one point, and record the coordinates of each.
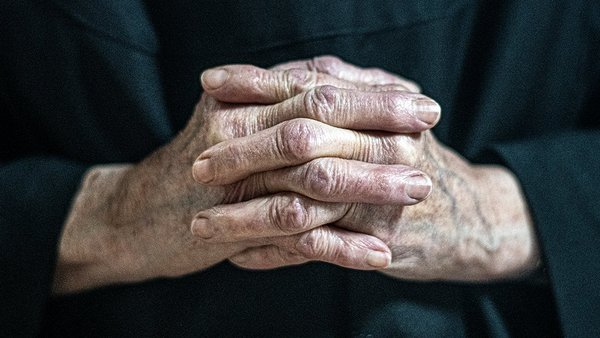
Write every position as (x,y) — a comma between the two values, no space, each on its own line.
(90,254)
(515,250)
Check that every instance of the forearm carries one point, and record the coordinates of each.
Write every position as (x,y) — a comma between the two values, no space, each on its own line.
(123,213)
(98,257)
(136,222)
(511,249)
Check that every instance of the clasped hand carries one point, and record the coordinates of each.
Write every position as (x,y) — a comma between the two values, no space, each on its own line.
(310,160)
(371,155)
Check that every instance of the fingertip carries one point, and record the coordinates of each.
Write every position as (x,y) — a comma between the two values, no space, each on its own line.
(201,228)
(427,111)
(202,171)
(213,79)
(379,255)
(379,259)
(418,187)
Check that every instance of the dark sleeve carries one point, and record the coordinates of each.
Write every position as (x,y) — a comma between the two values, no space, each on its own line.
(35,195)
(560,176)
(78,85)
(560,173)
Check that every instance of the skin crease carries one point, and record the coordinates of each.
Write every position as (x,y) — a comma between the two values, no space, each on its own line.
(144,231)
(474,226)
(131,222)
(460,232)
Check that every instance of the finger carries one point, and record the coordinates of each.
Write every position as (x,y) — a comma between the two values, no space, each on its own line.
(296,142)
(339,180)
(336,67)
(266,257)
(271,216)
(327,244)
(299,139)
(250,84)
(393,111)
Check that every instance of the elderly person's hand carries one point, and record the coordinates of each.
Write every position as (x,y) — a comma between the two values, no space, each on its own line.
(132,222)
(474,226)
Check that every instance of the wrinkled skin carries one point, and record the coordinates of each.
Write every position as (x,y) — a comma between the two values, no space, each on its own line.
(474,226)
(131,222)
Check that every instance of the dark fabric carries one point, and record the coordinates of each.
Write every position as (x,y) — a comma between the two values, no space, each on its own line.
(33,204)
(564,198)
(94,82)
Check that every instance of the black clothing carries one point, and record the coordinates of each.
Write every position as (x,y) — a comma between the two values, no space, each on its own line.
(92,82)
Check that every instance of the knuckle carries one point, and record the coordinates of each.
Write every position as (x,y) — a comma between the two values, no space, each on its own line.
(299,80)
(289,214)
(313,245)
(327,63)
(297,140)
(324,178)
(320,102)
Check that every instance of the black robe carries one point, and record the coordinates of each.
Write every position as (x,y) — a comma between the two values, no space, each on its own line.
(105,81)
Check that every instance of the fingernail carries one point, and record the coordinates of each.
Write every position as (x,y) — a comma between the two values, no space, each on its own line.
(427,110)
(201,228)
(202,171)
(378,259)
(214,79)
(418,187)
